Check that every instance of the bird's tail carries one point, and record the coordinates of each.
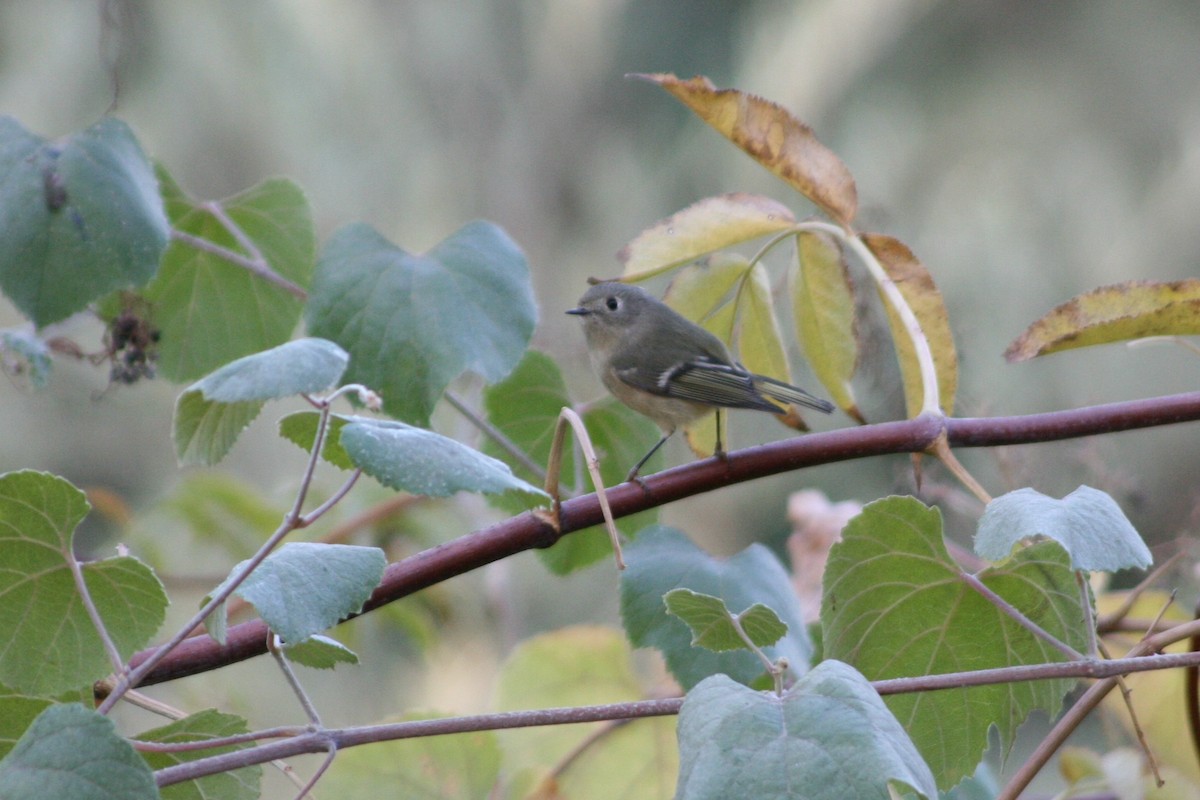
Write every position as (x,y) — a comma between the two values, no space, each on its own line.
(786,393)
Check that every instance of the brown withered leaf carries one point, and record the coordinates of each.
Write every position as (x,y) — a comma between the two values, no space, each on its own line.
(704,227)
(772,137)
(1123,311)
(923,297)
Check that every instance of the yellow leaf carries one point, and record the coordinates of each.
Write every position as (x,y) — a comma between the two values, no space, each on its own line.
(759,340)
(922,295)
(824,314)
(706,226)
(1131,310)
(706,294)
(772,137)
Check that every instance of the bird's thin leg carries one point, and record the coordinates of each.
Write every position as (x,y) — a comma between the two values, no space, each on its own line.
(719,452)
(633,473)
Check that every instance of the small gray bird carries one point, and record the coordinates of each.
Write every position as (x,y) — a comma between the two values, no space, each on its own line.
(667,367)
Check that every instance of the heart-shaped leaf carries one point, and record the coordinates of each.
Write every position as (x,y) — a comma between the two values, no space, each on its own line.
(413,323)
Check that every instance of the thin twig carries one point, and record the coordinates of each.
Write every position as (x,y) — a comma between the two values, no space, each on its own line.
(1111,620)
(237,259)
(1092,697)
(1139,733)
(326,764)
(131,678)
(1089,617)
(275,647)
(258,264)
(319,741)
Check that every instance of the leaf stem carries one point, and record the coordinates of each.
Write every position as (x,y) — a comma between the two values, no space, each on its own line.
(85,597)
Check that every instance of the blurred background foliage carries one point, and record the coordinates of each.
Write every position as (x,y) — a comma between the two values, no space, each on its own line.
(1026,152)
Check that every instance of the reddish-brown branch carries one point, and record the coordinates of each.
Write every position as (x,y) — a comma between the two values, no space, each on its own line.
(527,531)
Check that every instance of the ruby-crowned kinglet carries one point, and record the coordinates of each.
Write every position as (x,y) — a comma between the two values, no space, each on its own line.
(667,367)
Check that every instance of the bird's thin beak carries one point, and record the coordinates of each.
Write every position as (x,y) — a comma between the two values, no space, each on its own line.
(579,312)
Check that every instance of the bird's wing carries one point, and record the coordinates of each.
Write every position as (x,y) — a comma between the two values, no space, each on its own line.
(712,383)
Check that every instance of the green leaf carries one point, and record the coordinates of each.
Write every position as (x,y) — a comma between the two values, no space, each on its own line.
(712,622)
(212,413)
(423,462)
(896,605)
(585,665)
(320,652)
(824,313)
(461,766)
(757,334)
(50,643)
(239,784)
(304,588)
(1124,311)
(1088,523)
(300,429)
(413,323)
(830,736)
(706,226)
(209,310)
(82,217)
(73,752)
(525,408)
(24,353)
(662,559)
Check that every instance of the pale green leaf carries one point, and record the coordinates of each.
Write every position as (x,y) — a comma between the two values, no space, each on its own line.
(300,429)
(320,652)
(830,736)
(423,462)
(1088,523)
(413,323)
(304,588)
(211,414)
(72,752)
(82,217)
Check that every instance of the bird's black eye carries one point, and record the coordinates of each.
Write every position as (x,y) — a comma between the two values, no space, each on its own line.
(612,303)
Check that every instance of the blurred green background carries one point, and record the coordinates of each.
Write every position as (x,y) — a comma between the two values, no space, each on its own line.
(1025,151)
